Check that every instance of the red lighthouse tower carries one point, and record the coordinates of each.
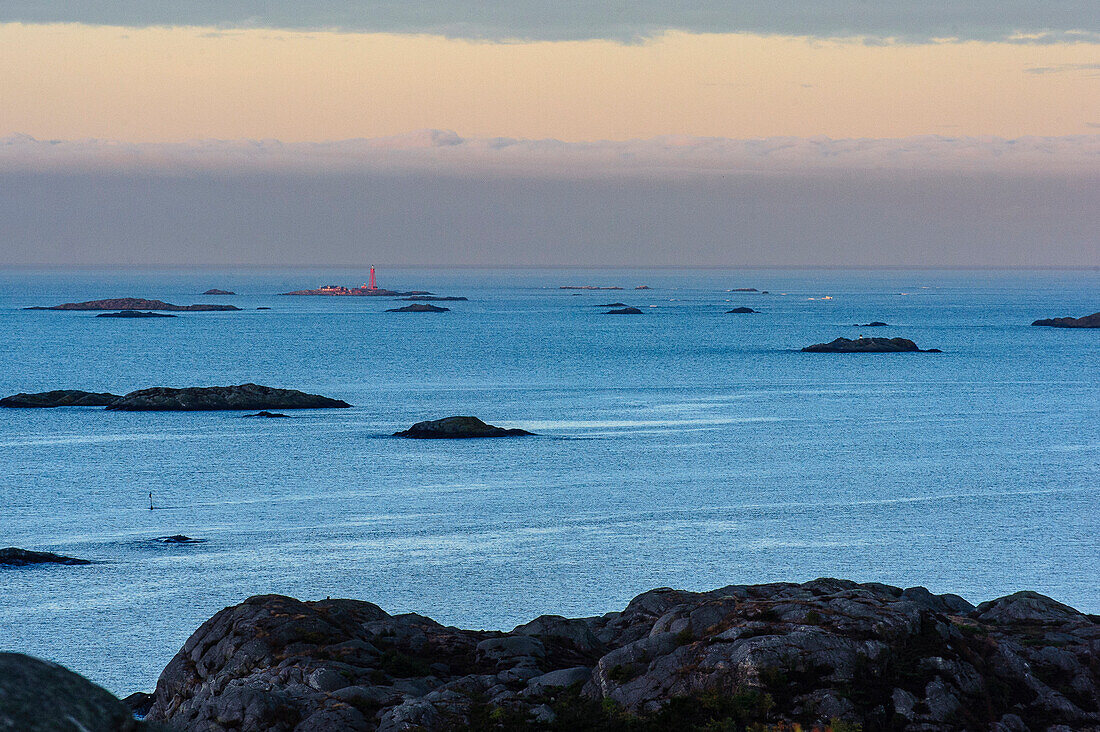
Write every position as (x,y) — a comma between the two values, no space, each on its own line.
(372,285)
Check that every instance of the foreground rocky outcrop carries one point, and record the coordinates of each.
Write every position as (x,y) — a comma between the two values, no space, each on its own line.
(206,398)
(38,696)
(457,428)
(15,557)
(857,656)
(59,398)
(133,303)
(1085,321)
(868,345)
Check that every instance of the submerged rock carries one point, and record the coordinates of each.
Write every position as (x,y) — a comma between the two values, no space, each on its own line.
(205,398)
(1085,321)
(827,652)
(868,345)
(14,557)
(457,427)
(59,398)
(135,314)
(742,311)
(624,311)
(39,696)
(611,305)
(872,324)
(133,303)
(178,539)
(419,308)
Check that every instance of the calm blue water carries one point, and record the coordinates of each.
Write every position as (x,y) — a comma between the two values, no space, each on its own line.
(685,447)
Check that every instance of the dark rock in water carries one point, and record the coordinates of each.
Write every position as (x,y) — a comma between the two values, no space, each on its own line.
(39,696)
(263,308)
(1085,321)
(824,653)
(419,308)
(14,557)
(744,289)
(872,324)
(138,703)
(216,291)
(205,398)
(742,311)
(611,305)
(265,413)
(177,539)
(434,298)
(59,398)
(135,314)
(457,427)
(624,311)
(867,345)
(133,303)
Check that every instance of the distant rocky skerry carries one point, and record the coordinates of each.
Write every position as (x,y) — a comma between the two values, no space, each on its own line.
(59,398)
(872,324)
(1085,321)
(435,298)
(624,311)
(136,314)
(216,291)
(134,303)
(250,397)
(419,307)
(868,345)
(15,557)
(768,657)
(457,428)
(743,311)
(340,291)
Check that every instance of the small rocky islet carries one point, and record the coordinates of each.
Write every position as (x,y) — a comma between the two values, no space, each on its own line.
(216,291)
(868,345)
(1085,321)
(135,303)
(136,314)
(824,653)
(244,397)
(15,557)
(419,307)
(457,428)
(742,311)
(624,311)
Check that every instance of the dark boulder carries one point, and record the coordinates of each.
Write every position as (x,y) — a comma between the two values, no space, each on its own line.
(14,557)
(867,345)
(1085,321)
(133,303)
(205,398)
(59,398)
(624,311)
(742,311)
(135,314)
(457,427)
(420,307)
(39,696)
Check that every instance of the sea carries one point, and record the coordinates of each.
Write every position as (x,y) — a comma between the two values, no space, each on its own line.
(684,447)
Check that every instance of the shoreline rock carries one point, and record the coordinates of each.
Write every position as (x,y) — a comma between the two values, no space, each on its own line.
(419,307)
(135,303)
(826,652)
(136,314)
(868,345)
(58,398)
(15,557)
(248,397)
(1085,321)
(457,428)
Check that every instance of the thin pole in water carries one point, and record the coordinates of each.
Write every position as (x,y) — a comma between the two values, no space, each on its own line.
(150,500)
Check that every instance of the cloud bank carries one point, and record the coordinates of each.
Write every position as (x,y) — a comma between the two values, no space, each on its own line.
(441,152)
(899,20)
(434,198)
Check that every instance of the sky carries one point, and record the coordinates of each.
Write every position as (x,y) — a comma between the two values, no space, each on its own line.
(791,132)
